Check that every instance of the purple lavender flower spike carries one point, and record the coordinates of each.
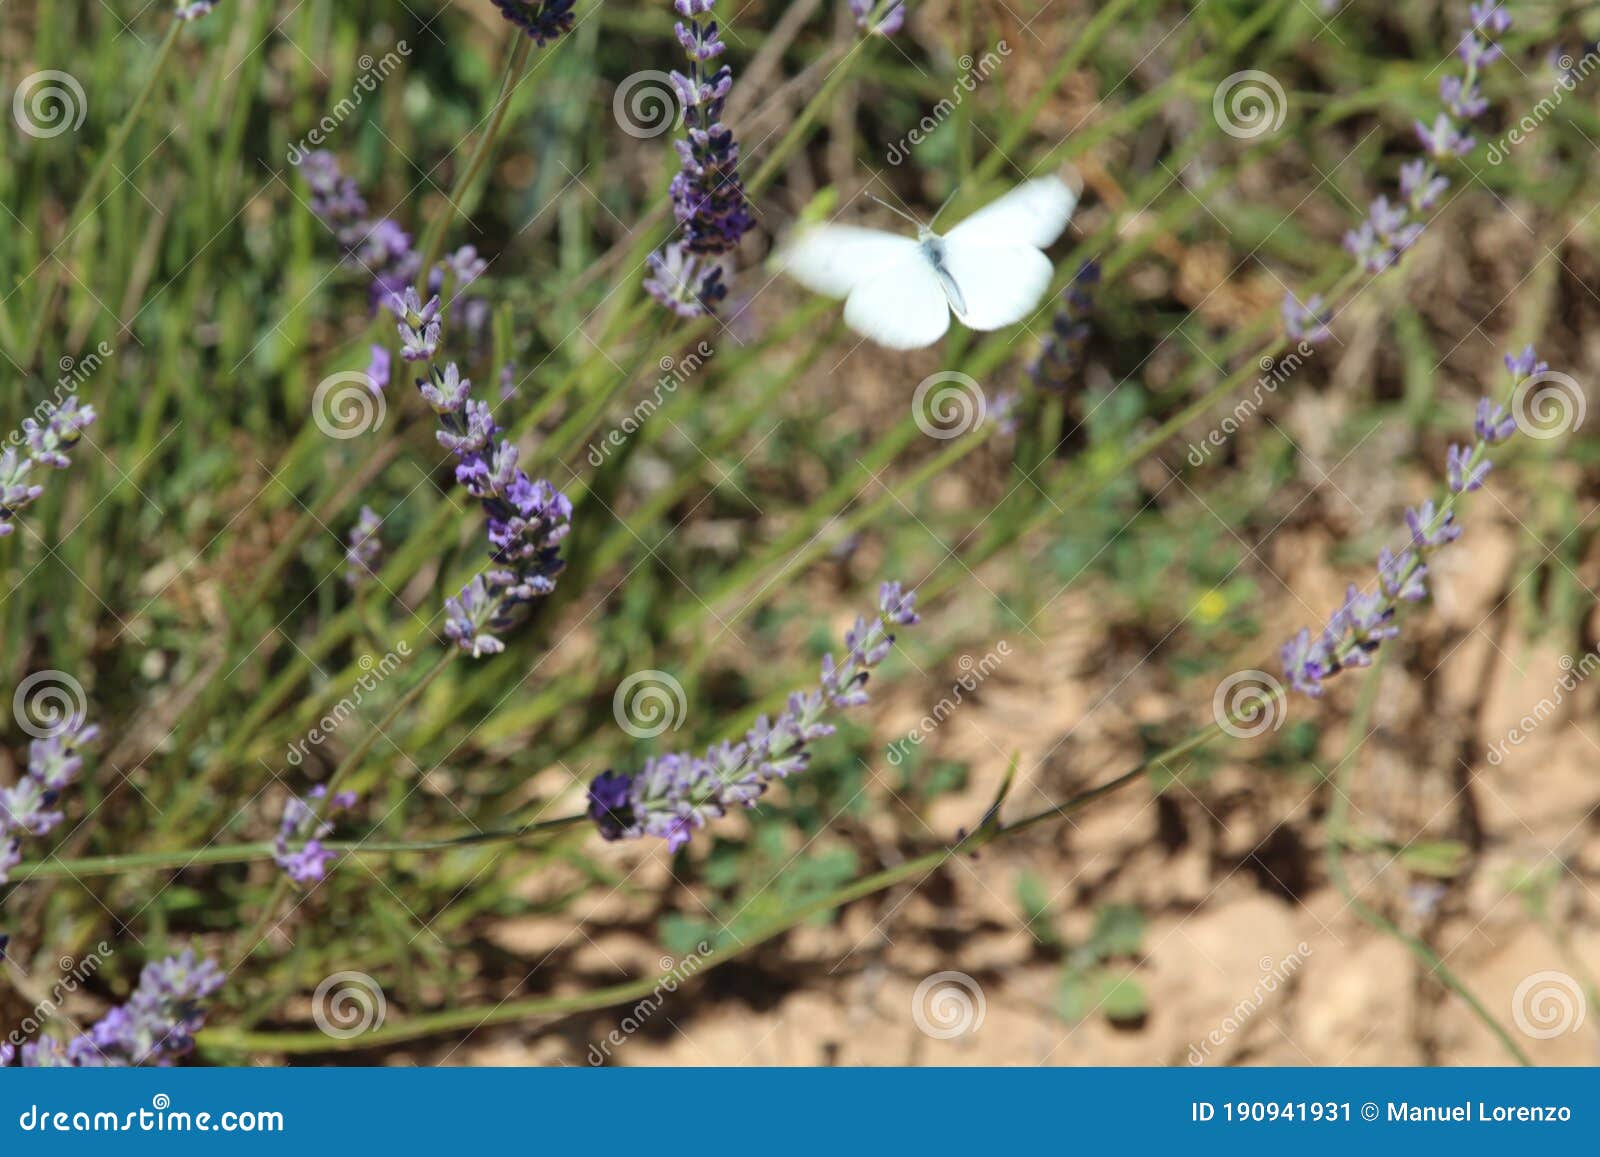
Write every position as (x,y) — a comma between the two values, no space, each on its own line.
(1400,575)
(1525,364)
(28,807)
(888,24)
(379,369)
(1421,186)
(1428,528)
(195,9)
(674,795)
(470,617)
(1306,322)
(708,197)
(1061,356)
(1462,475)
(1493,424)
(155,1027)
(48,443)
(543,20)
(364,549)
(298,848)
(1443,139)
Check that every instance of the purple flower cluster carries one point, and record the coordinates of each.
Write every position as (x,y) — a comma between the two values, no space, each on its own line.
(1389,229)
(1366,619)
(887,25)
(195,9)
(527,520)
(708,197)
(381,248)
(673,795)
(544,20)
(298,847)
(155,1027)
(1062,355)
(1392,227)
(46,443)
(28,808)
(364,548)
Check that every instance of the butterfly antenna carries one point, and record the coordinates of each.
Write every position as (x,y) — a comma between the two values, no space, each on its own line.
(896,212)
(944,206)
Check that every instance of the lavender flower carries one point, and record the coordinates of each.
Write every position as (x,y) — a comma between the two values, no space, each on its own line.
(544,20)
(527,520)
(28,807)
(1365,620)
(887,25)
(1062,354)
(1388,230)
(708,197)
(298,847)
(673,795)
(1493,424)
(155,1027)
(195,9)
(364,550)
(47,444)
(1462,473)
(1307,322)
(379,369)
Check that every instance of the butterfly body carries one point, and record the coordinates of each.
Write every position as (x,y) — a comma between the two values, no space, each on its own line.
(990,270)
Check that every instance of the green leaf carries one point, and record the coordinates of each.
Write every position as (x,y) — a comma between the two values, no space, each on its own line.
(1118,931)
(1122,998)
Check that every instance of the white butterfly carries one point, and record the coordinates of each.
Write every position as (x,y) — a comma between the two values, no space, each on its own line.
(899,292)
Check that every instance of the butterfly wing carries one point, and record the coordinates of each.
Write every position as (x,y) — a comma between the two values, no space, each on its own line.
(994,255)
(1034,213)
(1000,284)
(834,259)
(902,306)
